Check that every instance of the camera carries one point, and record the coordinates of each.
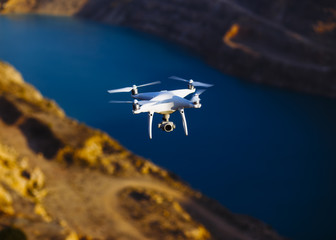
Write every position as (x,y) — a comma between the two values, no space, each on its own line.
(167,126)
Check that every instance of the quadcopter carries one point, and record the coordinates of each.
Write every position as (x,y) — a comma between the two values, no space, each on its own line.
(164,102)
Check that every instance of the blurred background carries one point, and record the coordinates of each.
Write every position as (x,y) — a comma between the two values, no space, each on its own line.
(265,150)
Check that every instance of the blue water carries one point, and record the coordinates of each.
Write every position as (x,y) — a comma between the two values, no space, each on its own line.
(258,150)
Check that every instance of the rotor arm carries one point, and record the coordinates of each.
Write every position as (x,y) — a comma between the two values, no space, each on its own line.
(150,123)
(185,127)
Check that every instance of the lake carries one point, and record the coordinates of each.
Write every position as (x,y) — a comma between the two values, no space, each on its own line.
(258,150)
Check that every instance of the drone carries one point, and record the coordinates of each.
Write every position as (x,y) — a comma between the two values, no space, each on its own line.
(164,102)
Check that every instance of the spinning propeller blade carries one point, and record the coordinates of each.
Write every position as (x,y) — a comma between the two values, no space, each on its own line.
(196,97)
(178,78)
(125,89)
(128,89)
(200,84)
(135,101)
(120,101)
(192,82)
(148,84)
(199,91)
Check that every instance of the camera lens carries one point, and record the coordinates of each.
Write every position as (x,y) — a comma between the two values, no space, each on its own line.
(168,128)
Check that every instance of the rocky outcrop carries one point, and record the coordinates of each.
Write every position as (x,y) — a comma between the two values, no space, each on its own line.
(60,179)
(266,42)
(281,43)
(58,7)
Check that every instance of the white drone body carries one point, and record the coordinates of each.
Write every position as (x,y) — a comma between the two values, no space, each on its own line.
(164,102)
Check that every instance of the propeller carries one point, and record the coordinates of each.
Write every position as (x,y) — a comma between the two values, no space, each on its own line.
(128,89)
(120,101)
(135,101)
(195,97)
(192,82)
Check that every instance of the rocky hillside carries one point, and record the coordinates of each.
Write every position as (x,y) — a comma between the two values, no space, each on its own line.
(60,179)
(290,44)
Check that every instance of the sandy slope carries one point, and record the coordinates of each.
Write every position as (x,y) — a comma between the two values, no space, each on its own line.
(88,200)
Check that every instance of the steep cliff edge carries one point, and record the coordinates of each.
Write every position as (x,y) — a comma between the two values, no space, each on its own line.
(60,179)
(282,43)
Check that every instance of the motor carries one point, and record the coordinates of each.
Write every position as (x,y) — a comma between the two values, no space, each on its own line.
(136,105)
(196,99)
(167,126)
(197,103)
